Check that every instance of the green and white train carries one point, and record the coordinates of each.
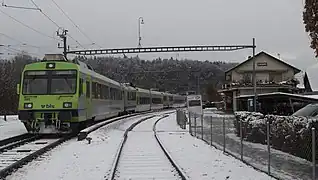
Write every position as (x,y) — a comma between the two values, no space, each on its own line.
(57,95)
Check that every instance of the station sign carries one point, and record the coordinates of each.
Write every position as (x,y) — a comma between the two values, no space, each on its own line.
(194,104)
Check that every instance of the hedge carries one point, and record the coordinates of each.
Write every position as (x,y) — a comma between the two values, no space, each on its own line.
(290,134)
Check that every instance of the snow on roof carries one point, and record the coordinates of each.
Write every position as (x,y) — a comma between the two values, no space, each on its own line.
(312,73)
(313,97)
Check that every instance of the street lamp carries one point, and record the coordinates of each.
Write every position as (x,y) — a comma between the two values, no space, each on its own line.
(140,22)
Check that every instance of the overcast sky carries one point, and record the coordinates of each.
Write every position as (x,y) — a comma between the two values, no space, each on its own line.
(276,25)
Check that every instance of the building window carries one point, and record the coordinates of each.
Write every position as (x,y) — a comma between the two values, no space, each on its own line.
(228,77)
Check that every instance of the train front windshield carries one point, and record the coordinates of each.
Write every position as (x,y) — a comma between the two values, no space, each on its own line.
(49,82)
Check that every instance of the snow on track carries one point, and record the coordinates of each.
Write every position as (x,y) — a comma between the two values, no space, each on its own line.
(198,159)
(11,156)
(78,159)
(142,157)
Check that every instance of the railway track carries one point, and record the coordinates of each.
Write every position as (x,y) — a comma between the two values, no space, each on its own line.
(147,159)
(15,155)
(19,150)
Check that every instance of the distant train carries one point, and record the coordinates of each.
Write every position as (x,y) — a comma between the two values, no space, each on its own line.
(57,95)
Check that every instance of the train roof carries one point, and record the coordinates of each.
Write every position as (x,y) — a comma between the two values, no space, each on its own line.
(142,90)
(83,67)
(128,87)
(156,92)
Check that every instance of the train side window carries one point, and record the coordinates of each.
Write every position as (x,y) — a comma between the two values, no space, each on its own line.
(95,90)
(107,92)
(80,87)
(111,94)
(99,92)
(102,90)
(88,89)
(134,96)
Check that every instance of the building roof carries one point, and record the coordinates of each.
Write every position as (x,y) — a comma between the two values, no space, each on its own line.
(264,53)
(279,95)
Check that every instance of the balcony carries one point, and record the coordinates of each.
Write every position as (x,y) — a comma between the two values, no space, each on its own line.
(241,84)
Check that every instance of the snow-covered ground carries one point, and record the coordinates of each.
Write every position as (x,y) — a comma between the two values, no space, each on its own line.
(11,127)
(198,159)
(78,159)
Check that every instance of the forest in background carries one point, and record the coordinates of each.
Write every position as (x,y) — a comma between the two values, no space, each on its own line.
(175,76)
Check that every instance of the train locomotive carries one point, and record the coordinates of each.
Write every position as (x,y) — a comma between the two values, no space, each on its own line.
(61,96)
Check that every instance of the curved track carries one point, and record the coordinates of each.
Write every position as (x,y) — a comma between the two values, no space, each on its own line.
(19,150)
(144,159)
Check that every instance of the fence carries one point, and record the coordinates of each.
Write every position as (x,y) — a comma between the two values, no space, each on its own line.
(256,148)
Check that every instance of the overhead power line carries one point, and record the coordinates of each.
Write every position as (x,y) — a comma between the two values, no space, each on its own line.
(55,22)
(22,43)
(27,26)
(17,7)
(19,51)
(59,7)
(76,41)
(45,14)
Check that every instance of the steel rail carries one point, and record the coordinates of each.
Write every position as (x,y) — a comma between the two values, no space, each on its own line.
(174,164)
(121,146)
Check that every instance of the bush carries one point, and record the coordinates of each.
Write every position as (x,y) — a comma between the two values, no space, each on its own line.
(290,134)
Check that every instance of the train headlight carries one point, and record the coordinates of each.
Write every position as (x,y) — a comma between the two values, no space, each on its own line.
(28,105)
(67,105)
(50,65)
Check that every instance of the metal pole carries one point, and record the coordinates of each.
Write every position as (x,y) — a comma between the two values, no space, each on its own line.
(254,76)
(195,125)
(223,134)
(268,148)
(202,126)
(190,128)
(241,136)
(211,131)
(313,153)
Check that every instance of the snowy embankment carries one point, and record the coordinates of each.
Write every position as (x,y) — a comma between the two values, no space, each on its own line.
(11,127)
(78,159)
(198,159)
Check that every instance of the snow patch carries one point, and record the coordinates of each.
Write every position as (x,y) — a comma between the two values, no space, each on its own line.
(201,161)
(12,127)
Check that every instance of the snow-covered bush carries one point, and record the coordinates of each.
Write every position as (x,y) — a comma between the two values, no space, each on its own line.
(287,133)
(253,125)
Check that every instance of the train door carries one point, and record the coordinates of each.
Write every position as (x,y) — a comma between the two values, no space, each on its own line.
(88,98)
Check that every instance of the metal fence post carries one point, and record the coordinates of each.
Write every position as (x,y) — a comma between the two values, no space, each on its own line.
(268,147)
(313,153)
(202,126)
(223,134)
(211,131)
(241,136)
(190,127)
(184,120)
(195,125)
(178,118)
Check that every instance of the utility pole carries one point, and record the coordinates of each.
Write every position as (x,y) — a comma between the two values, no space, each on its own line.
(62,34)
(254,77)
